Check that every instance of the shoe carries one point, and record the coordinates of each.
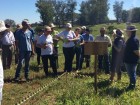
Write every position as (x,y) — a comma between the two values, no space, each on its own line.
(111,81)
(39,66)
(27,79)
(16,79)
(4,68)
(130,87)
(8,67)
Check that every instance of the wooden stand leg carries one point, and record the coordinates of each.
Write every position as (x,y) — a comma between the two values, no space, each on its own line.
(95,75)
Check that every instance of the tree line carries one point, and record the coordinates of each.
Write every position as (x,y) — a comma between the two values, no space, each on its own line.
(91,12)
(131,15)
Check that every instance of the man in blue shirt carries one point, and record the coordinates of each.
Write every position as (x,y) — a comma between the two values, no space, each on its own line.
(87,37)
(24,39)
(131,55)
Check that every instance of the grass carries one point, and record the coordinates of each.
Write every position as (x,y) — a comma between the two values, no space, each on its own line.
(71,89)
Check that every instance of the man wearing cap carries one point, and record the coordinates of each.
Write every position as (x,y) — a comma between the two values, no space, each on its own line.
(87,37)
(104,38)
(131,55)
(55,42)
(83,31)
(2,31)
(68,37)
(8,44)
(24,41)
(46,44)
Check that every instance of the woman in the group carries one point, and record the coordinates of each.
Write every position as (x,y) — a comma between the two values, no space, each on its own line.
(117,55)
(131,55)
(37,49)
(46,44)
(78,48)
(68,37)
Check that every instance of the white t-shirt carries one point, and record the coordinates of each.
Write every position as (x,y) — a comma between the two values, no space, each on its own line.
(67,35)
(8,38)
(48,40)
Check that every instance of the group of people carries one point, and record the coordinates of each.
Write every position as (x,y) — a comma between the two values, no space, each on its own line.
(45,44)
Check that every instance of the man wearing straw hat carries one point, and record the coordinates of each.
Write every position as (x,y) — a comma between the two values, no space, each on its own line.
(8,45)
(2,31)
(131,55)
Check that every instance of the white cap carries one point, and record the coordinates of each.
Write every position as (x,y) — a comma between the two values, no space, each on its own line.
(2,26)
(52,25)
(26,21)
(83,27)
(68,25)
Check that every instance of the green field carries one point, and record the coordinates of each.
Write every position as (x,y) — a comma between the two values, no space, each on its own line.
(76,88)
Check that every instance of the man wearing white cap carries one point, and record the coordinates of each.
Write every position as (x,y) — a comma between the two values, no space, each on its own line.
(83,31)
(131,55)
(2,30)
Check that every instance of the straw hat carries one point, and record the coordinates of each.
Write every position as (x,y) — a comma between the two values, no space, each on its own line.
(118,32)
(2,26)
(131,28)
(52,25)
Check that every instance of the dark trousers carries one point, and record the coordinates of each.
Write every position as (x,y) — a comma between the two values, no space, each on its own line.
(69,55)
(6,56)
(23,57)
(78,52)
(45,63)
(106,64)
(16,58)
(56,56)
(38,52)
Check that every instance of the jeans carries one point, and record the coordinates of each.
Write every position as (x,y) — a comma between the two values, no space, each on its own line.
(69,55)
(107,62)
(87,58)
(23,56)
(78,52)
(45,63)
(131,70)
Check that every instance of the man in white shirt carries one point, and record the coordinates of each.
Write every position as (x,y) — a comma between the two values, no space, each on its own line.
(8,43)
(104,38)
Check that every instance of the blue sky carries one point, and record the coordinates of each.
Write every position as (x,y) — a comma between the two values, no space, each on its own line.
(25,9)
